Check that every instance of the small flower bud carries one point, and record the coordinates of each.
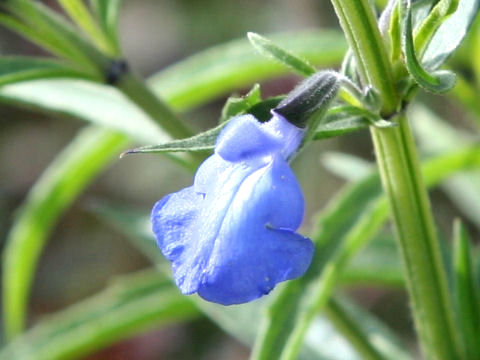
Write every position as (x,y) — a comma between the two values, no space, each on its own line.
(312,96)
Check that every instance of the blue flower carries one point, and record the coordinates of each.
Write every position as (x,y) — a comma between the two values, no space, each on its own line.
(231,236)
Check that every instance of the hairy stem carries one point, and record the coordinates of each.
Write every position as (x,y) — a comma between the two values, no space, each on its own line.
(398,162)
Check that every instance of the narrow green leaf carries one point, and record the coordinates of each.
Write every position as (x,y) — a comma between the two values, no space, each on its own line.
(346,166)
(81,15)
(54,30)
(349,67)
(38,37)
(209,74)
(239,105)
(436,16)
(339,120)
(108,14)
(22,68)
(438,81)
(345,226)
(242,320)
(377,264)
(420,10)
(268,48)
(236,64)
(95,103)
(467,291)
(341,127)
(394,31)
(342,120)
(450,34)
(91,150)
(204,141)
(345,119)
(372,339)
(130,306)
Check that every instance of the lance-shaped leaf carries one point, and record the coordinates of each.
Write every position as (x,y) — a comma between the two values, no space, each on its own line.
(204,141)
(450,34)
(237,105)
(82,16)
(91,150)
(438,81)
(108,13)
(270,49)
(436,16)
(467,291)
(237,64)
(339,120)
(131,305)
(51,29)
(21,68)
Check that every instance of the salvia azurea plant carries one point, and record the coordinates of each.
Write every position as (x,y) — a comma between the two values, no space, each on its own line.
(230,246)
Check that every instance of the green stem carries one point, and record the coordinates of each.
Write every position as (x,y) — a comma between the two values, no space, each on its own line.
(402,181)
(420,249)
(359,24)
(351,330)
(137,91)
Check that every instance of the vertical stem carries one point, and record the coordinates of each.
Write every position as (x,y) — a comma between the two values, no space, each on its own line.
(402,181)
(360,27)
(420,250)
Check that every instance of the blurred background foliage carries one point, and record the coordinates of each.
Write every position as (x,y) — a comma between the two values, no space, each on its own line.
(83,254)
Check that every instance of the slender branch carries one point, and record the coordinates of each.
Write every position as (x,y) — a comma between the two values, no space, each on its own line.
(360,27)
(420,249)
(402,181)
(137,91)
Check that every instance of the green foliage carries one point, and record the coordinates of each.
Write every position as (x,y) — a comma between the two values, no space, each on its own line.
(347,224)
(241,321)
(18,68)
(39,24)
(102,106)
(450,33)
(353,248)
(467,291)
(129,306)
(439,81)
(108,13)
(240,105)
(87,101)
(269,48)
(91,151)
(203,76)
(82,17)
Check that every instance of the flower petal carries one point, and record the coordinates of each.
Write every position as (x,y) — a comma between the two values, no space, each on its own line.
(174,221)
(231,236)
(245,139)
(256,266)
(257,247)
